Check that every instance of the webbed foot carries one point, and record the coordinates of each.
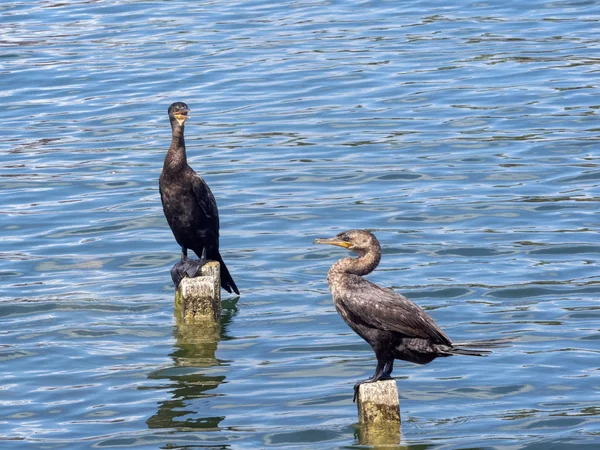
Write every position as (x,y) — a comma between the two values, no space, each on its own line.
(383,371)
(187,267)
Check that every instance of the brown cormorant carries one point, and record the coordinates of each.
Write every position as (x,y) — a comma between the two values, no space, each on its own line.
(394,326)
(190,207)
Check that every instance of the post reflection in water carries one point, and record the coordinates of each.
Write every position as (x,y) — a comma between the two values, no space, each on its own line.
(190,378)
(378,435)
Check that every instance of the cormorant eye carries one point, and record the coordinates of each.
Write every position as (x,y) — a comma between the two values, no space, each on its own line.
(346,238)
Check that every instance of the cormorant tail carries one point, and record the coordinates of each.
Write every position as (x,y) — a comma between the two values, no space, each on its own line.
(466,351)
(477,348)
(486,343)
(227,282)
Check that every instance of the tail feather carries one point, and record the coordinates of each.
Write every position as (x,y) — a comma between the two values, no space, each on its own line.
(227,282)
(467,352)
(477,348)
(486,343)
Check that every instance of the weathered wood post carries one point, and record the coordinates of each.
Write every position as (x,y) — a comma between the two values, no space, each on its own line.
(199,298)
(379,412)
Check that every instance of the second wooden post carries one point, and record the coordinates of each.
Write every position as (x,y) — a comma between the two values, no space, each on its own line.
(379,413)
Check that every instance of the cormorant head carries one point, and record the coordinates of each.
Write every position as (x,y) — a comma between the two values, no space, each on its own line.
(359,241)
(179,111)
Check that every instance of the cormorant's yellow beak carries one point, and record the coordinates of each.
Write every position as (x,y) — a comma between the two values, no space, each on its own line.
(182,116)
(333,241)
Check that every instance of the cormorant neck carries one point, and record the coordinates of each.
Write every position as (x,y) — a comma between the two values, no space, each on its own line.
(363,265)
(176,158)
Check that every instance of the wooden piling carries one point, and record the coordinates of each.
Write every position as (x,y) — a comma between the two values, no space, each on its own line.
(199,298)
(379,412)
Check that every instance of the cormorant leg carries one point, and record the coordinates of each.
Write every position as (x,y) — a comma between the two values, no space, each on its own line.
(203,256)
(382,372)
(387,370)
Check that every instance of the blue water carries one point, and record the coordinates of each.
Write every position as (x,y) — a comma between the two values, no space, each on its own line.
(464,134)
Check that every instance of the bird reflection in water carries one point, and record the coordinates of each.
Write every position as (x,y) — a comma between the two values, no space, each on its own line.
(380,435)
(190,385)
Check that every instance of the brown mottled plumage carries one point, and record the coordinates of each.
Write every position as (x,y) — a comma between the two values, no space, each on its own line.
(394,326)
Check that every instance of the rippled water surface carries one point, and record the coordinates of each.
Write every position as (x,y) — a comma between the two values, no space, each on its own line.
(464,134)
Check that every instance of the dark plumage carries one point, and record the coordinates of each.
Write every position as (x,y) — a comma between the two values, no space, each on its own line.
(394,326)
(190,207)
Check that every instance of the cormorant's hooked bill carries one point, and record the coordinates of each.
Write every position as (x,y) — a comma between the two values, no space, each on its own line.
(340,241)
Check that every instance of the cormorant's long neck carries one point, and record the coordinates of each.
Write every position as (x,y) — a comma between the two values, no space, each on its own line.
(363,265)
(176,158)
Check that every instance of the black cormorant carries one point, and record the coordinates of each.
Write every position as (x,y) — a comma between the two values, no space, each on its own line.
(394,326)
(190,207)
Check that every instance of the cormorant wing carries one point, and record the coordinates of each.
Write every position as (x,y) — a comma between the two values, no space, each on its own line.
(206,201)
(385,309)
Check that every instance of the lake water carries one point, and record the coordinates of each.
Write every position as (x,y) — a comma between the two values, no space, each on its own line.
(463,133)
